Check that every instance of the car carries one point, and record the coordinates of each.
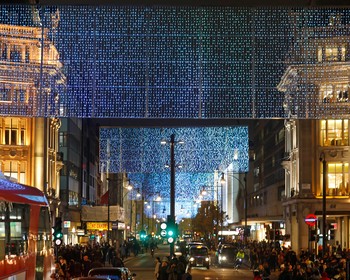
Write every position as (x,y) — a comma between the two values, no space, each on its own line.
(227,255)
(115,273)
(193,243)
(199,256)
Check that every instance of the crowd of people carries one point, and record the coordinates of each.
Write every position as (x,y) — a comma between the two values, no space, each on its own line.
(172,268)
(77,260)
(263,258)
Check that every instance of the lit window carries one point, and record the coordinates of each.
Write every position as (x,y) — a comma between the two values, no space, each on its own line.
(337,178)
(334,132)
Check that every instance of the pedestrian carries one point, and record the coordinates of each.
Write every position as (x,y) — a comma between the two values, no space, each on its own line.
(187,275)
(123,251)
(284,275)
(58,274)
(86,265)
(180,268)
(116,260)
(157,267)
(172,270)
(324,276)
(163,271)
(257,275)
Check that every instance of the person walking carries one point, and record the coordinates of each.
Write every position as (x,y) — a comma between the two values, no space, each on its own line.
(86,265)
(157,268)
(163,271)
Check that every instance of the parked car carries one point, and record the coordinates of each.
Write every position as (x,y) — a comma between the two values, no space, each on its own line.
(199,256)
(227,255)
(115,273)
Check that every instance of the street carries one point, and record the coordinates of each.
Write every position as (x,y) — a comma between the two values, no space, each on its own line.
(143,266)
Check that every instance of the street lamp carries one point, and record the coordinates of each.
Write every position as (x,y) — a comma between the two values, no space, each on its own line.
(243,186)
(172,183)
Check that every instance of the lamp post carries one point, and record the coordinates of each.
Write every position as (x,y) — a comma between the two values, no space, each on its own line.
(324,202)
(138,195)
(172,184)
(129,188)
(245,191)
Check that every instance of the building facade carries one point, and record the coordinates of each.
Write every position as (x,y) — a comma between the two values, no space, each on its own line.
(317,151)
(29,146)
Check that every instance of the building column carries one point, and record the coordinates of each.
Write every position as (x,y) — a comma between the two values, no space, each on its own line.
(344,231)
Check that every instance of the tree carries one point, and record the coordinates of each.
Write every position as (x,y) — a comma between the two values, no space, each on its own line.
(208,219)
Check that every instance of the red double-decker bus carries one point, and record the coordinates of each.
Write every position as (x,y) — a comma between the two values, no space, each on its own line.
(25,233)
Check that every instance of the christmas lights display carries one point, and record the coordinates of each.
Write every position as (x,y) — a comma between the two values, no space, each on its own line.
(201,149)
(175,62)
(199,153)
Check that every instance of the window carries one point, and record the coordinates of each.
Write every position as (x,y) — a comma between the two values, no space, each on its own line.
(334,93)
(5,94)
(20,95)
(331,53)
(14,131)
(334,133)
(16,170)
(337,178)
(16,54)
(73,198)
(63,139)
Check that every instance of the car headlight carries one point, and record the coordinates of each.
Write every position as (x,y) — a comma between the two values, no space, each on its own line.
(223,258)
(191,259)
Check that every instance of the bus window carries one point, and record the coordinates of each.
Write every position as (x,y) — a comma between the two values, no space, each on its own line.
(14,225)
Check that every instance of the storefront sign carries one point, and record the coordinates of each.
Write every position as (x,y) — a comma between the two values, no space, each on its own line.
(66,224)
(96,226)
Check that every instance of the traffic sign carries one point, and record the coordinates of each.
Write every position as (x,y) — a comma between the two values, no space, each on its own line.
(163,233)
(311,220)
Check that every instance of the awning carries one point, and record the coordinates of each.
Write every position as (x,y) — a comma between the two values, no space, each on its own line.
(104,198)
(19,193)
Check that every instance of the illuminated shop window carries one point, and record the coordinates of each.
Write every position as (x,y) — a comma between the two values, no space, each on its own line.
(337,178)
(334,133)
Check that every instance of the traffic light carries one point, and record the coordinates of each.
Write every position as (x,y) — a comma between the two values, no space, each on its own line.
(57,232)
(331,232)
(312,236)
(277,234)
(171,231)
(143,235)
